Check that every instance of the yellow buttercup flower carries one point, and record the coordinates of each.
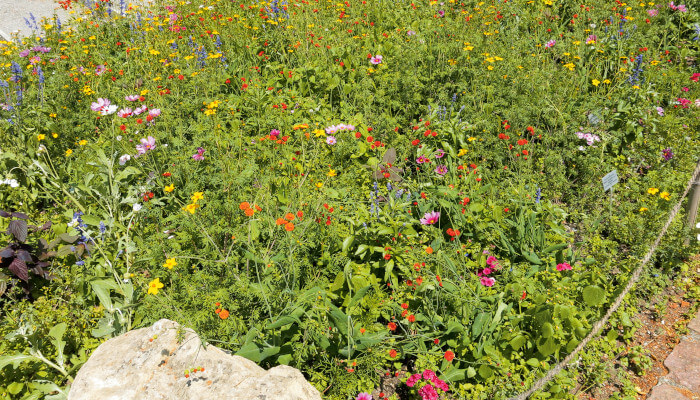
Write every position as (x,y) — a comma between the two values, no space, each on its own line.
(332,173)
(643,209)
(69,152)
(665,195)
(170,188)
(170,263)
(652,191)
(40,137)
(154,285)
(461,152)
(595,82)
(82,142)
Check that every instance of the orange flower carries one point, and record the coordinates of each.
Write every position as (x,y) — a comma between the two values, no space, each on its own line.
(429,250)
(249,212)
(289,217)
(257,207)
(300,214)
(449,355)
(223,314)
(289,226)
(244,206)
(281,221)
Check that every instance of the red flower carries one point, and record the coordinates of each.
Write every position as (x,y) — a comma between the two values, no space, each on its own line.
(522,142)
(392,353)
(449,355)
(391,326)
(404,306)
(411,318)
(436,341)
(415,142)
(370,139)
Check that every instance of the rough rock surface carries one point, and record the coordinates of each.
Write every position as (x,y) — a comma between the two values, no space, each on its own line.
(132,366)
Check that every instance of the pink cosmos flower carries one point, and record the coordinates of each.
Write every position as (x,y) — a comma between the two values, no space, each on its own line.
(200,154)
(421,159)
(441,170)
(430,218)
(439,153)
(377,59)
(146,145)
(125,112)
(154,112)
(100,69)
(131,97)
(140,110)
(660,111)
(653,12)
(550,44)
(331,140)
(275,132)
(486,281)
(103,106)
(364,396)
(563,267)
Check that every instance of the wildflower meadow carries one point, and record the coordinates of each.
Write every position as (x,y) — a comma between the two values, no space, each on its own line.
(402,199)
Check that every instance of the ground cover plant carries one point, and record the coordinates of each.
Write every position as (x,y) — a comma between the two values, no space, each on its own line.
(369,191)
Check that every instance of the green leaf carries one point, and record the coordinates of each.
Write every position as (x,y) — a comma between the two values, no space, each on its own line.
(485,371)
(547,330)
(348,242)
(15,387)
(533,362)
(478,324)
(250,351)
(15,360)
(359,295)
(471,372)
(283,321)
(454,375)
(56,334)
(593,295)
(101,289)
(517,342)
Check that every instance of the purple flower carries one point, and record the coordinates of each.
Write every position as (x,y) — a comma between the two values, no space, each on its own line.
(411,33)
(430,218)
(667,154)
(131,97)
(24,53)
(146,145)
(653,12)
(441,13)
(364,396)
(660,111)
(100,69)
(330,140)
(154,112)
(200,154)
(125,112)
(441,170)
(377,59)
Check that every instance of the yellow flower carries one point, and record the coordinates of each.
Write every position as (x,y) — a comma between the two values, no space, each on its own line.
(570,66)
(643,209)
(54,135)
(191,208)
(69,152)
(595,82)
(665,195)
(154,286)
(319,184)
(197,196)
(319,132)
(170,188)
(52,115)
(40,137)
(170,263)
(82,142)
(332,173)
(461,152)
(652,191)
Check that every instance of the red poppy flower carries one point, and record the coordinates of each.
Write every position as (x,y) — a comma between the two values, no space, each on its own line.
(392,353)
(391,326)
(449,355)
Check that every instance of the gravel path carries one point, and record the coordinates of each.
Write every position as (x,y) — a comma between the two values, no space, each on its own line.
(13,13)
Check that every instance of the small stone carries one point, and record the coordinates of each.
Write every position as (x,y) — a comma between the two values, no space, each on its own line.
(695,323)
(666,392)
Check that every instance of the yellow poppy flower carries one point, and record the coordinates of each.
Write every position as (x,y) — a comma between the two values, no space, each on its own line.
(652,191)
(197,196)
(154,285)
(170,263)
(665,195)
(170,188)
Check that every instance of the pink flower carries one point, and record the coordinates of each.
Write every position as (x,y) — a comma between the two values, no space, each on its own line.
(430,218)
(421,159)
(484,272)
(653,12)
(440,384)
(695,77)
(154,112)
(131,97)
(412,380)
(441,170)
(103,106)
(125,112)
(491,261)
(140,110)
(428,392)
(429,374)
(200,154)
(377,59)
(550,44)
(591,39)
(486,281)
(274,132)
(563,267)
(364,396)
(684,102)
(146,145)
(660,111)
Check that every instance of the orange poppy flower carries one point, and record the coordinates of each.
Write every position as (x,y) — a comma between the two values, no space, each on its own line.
(244,206)
(281,221)
(223,314)
(289,227)
(289,217)
(249,212)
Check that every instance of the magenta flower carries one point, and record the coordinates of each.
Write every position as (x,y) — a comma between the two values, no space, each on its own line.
(683,101)
(377,59)
(146,145)
(125,112)
(131,97)
(439,153)
(430,218)
(486,281)
(364,396)
(695,77)
(154,112)
(492,261)
(275,132)
(653,12)
(331,140)
(591,39)
(440,384)
(550,44)
(412,380)
(200,154)
(428,392)
(660,111)
(563,267)
(422,159)
(100,69)
(441,170)
(429,374)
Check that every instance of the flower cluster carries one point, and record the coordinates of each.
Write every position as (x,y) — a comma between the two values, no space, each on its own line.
(248,209)
(563,267)
(491,265)
(589,137)
(221,312)
(340,127)
(287,220)
(192,207)
(428,391)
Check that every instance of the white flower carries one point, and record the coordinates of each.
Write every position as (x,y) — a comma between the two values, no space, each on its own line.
(123,159)
(109,110)
(137,207)
(12,182)
(698,225)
